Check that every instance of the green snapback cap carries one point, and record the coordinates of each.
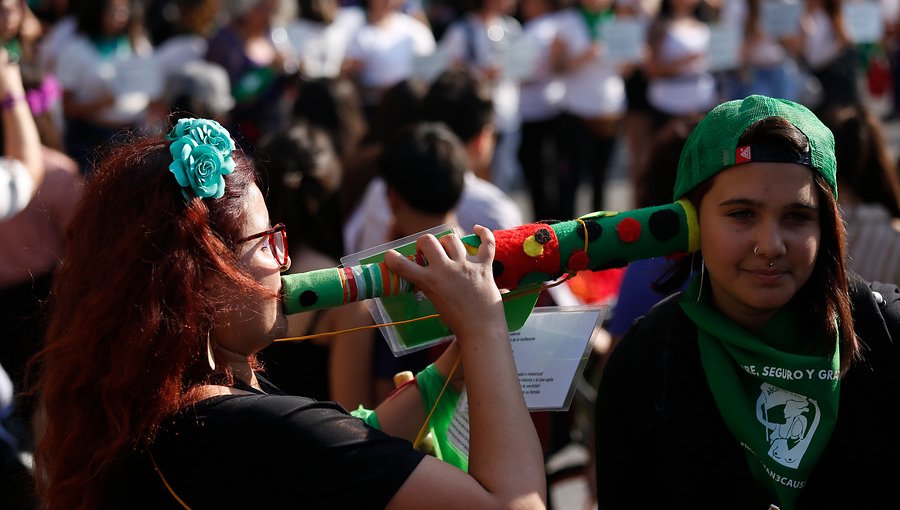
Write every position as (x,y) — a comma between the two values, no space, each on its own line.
(713,145)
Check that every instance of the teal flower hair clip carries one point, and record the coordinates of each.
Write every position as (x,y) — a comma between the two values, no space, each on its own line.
(201,150)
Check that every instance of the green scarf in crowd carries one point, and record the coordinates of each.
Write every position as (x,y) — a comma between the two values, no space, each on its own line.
(595,19)
(777,392)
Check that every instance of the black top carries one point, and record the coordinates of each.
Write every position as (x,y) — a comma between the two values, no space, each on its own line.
(298,368)
(661,442)
(266,451)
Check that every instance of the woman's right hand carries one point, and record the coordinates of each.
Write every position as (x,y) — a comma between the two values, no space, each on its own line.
(462,291)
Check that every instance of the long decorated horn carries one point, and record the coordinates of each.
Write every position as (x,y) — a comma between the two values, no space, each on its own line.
(526,254)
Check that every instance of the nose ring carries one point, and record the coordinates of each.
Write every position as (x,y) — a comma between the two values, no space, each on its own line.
(756,252)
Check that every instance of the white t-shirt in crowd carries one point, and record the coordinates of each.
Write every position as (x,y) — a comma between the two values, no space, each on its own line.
(596,88)
(320,47)
(16,187)
(694,90)
(176,51)
(132,79)
(481,203)
(387,49)
(482,45)
(820,44)
(541,96)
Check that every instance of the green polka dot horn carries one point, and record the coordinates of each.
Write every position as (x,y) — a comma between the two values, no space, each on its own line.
(525,255)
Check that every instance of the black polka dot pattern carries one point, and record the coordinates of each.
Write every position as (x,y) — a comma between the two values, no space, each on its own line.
(498,268)
(594,230)
(542,236)
(664,224)
(308,298)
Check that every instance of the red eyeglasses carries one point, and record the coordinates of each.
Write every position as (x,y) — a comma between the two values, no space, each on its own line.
(277,239)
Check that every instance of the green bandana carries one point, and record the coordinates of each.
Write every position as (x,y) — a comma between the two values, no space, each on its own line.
(595,19)
(14,48)
(779,403)
(112,47)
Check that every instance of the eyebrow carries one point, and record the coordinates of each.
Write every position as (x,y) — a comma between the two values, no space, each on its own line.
(759,203)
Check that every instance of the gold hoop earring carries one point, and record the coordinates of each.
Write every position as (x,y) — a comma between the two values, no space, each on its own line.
(210,356)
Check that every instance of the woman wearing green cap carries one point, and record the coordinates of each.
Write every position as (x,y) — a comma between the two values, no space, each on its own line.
(772,380)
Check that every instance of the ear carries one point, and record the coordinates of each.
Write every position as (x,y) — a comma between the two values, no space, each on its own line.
(395,201)
(482,152)
(483,139)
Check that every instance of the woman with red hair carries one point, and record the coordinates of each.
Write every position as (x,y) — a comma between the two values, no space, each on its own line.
(148,382)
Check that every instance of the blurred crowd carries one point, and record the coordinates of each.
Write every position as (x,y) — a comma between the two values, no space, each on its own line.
(372,120)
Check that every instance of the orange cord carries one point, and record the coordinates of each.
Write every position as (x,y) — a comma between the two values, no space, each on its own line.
(350,330)
(166,483)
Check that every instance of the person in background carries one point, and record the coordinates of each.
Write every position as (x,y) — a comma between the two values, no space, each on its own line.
(21,167)
(197,87)
(58,27)
(400,106)
(382,51)
(107,75)
(422,168)
(541,100)
(594,103)
(259,70)
(829,52)
(638,119)
(869,191)
(22,173)
(335,105)
(679,80)
(480,41)
(304,176)
(21,32)
(462,101)
(320,35)
(180,284)
(771,68)
(186,35)
(762,384)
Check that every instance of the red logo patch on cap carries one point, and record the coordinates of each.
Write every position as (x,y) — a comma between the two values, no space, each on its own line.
(742,155)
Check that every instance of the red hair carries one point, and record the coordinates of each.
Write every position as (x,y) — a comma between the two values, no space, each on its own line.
(132,305)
